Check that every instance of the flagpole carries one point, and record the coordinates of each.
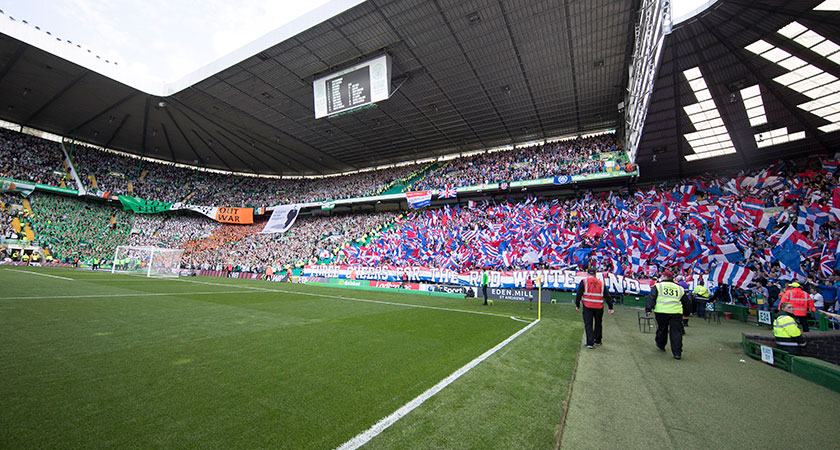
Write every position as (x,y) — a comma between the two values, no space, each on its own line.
(539,297)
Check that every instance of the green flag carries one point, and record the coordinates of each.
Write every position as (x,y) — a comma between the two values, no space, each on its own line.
(142,206)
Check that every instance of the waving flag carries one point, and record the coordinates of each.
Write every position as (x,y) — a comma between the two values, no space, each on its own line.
(418,199)
(827,260)
(796,238)
(788,255)
(447,192)
(732,274)
(727,253)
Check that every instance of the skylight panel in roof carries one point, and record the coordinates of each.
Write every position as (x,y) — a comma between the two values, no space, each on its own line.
(754,105)
(791,63)
(826,48)
(792,30)
(828,5)
(692,73)
(711,138)
(808,39)
(822,87)
(758,47)
(776,137)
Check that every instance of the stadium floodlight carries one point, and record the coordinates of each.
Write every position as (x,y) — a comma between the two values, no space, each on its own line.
(150,261)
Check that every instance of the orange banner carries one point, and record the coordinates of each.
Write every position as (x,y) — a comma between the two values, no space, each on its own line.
(228,214)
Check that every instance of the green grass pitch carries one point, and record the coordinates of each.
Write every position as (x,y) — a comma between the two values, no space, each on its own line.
(116,361)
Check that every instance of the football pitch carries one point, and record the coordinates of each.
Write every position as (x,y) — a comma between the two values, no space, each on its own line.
(101,360)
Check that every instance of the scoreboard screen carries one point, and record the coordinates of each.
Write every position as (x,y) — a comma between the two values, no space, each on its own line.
(356,86)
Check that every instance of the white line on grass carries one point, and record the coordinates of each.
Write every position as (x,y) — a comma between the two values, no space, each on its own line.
(41,274)
(520,320)
(56,297)
(340,297)
(364,437)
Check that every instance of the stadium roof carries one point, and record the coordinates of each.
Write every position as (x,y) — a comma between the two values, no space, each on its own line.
(753,87)
(476,74)
(471,75)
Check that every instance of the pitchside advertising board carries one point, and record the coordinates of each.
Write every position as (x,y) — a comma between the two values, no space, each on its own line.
(519,295)
(359,85)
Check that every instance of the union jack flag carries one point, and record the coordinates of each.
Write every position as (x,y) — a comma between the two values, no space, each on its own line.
(447,192)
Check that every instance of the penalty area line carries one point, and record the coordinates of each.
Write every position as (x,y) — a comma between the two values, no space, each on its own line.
(41,274)
(365,436)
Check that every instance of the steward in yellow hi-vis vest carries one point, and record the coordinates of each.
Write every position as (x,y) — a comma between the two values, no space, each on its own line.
(701,298)
(593,293)
(670,303)
(788,336)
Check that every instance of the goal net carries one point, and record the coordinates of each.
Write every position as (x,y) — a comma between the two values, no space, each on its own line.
(149,261)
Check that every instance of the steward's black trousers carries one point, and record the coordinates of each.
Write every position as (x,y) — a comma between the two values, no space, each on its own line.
(592,318)
(669,325)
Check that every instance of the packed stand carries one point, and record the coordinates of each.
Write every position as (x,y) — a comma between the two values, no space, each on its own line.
(166,182)
(694,227)
(73,228)
(573,157)
(310,239)
(28,158)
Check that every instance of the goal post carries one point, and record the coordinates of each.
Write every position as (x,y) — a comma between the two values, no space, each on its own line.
(148,261)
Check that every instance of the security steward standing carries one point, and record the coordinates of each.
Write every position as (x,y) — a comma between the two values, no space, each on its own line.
(593,293)
(485,280)
(788,336)
(801,303)
(670,304)
(701,298)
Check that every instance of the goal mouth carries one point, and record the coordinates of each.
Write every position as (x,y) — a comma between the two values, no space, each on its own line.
(147,260)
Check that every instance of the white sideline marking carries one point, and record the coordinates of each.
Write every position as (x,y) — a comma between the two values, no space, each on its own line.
(119,295)
(41,274)
(364,437)
(520,320)
(340,297)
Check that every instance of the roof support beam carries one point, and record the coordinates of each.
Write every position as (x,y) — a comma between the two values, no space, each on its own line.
(184,135)
(168,142)
(807,15)
(522,67)
(766,82)
(572,65)
(54,98)
(101,113)
(116,131)
(13,60)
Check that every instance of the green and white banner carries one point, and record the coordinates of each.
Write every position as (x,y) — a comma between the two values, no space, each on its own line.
(24,189)
(143,206)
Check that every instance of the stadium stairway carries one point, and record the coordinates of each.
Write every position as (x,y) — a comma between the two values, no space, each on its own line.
(400,187)
(628,394)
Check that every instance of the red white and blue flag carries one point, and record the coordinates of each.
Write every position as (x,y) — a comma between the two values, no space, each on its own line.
(447,192)
(418,199)
(732,274)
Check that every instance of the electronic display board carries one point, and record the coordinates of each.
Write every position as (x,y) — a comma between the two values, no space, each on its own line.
(356,86)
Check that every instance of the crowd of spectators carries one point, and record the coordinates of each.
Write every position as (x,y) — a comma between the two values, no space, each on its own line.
(166,182)
(573,157)
(312,238)
(76,228)
(29,158)
(690,226)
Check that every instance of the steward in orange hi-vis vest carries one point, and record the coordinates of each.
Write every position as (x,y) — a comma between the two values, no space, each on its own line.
(801,302)
(593,294)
